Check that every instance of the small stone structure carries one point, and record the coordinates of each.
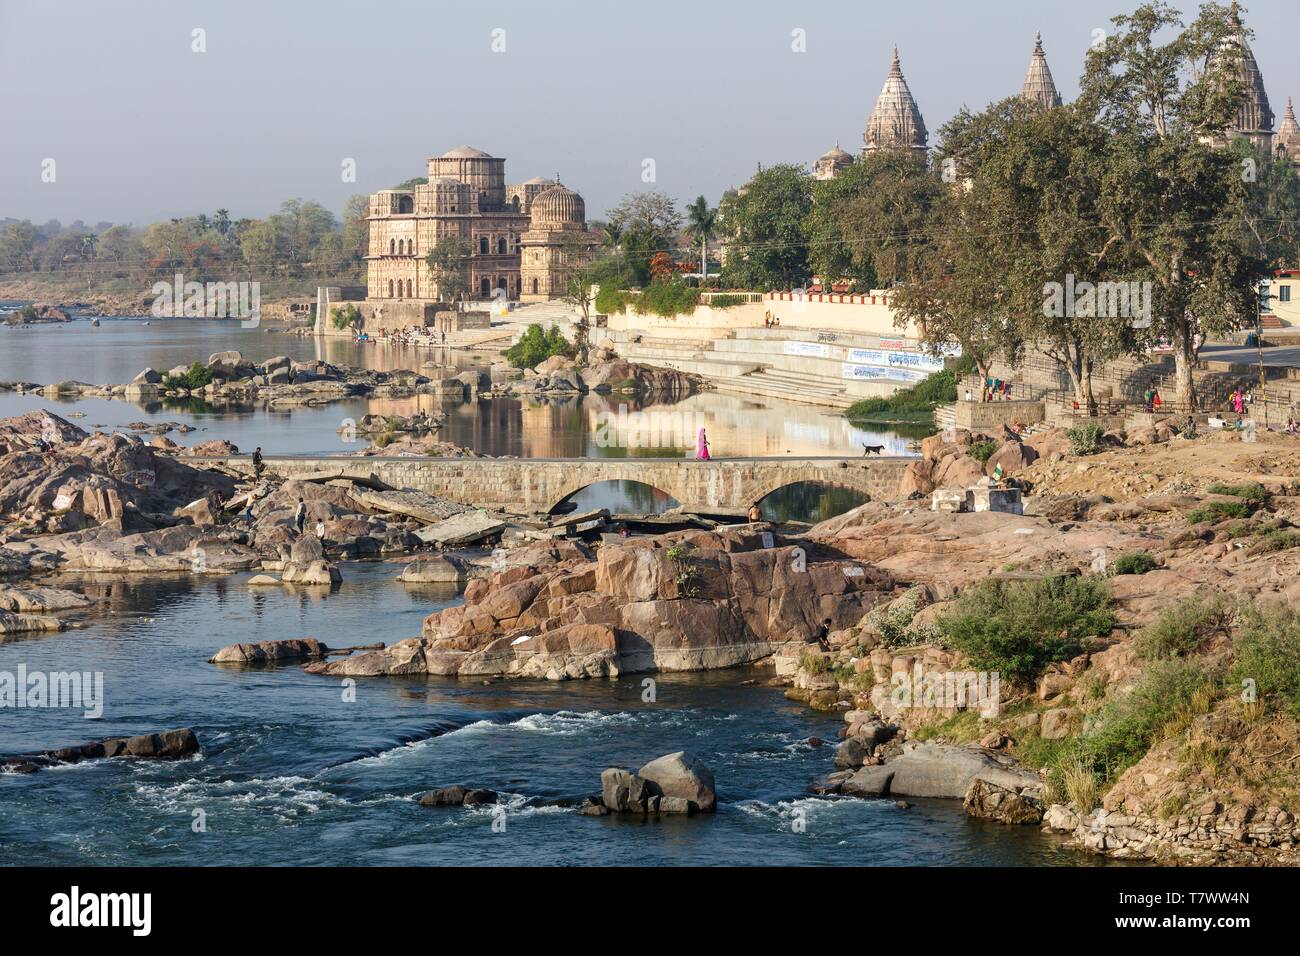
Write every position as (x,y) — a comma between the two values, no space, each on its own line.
(982,496)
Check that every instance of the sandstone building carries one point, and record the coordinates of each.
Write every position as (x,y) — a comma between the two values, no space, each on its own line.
(521,237)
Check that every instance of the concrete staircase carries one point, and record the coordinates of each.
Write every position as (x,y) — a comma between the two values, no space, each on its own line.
(768,382)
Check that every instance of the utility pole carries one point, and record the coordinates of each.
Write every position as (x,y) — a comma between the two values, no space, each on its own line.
(1262,298)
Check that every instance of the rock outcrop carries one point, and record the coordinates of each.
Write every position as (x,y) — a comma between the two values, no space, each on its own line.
(688,601)
(167,745)
(674,783)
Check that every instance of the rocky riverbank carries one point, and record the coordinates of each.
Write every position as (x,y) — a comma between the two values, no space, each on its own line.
(1129,637)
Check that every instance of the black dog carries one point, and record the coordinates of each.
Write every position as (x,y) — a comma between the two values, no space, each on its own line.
(872,450)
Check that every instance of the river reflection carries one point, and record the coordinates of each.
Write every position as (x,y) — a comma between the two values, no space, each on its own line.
(592,426)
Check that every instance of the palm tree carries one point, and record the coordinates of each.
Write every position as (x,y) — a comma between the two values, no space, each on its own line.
(700,222)
(613,234)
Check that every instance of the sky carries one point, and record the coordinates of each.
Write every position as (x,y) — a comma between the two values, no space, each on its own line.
(142,126)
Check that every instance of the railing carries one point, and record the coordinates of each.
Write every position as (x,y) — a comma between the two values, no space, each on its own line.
(747,297)
(1015,391)
(1101,407)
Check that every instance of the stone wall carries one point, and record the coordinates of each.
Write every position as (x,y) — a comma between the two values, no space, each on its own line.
(981,416)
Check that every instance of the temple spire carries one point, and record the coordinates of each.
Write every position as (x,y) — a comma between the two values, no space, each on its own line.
(1039,87)
(896,121)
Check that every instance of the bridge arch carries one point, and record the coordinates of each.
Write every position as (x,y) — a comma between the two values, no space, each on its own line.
(812,500)
(599,471)
(641,497)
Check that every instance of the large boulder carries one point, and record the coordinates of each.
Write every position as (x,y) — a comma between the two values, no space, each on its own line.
(1014,456)
(990,801)
(944,770)
(682,775)
(437,569)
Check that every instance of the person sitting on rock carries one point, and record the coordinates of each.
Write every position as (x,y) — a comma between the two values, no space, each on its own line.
(824,634)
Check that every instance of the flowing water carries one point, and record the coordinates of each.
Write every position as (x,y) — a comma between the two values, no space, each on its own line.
(291,773)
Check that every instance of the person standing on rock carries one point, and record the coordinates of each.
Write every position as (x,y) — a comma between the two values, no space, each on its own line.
(702,446)
(258,465)
(300,516)
(755,513)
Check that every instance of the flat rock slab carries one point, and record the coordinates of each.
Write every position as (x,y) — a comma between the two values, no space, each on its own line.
(462,529)
(943,770)
(41,600)
(11,623)
(413,504)
(271,652)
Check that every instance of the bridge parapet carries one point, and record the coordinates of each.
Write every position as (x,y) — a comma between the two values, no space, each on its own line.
(527,485)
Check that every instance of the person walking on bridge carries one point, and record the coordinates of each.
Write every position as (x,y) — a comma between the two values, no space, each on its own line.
(702,446)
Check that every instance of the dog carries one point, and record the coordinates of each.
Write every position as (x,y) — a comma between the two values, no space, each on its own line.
(871,449)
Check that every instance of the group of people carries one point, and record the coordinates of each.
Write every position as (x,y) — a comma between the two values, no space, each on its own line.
(411,335)
(771,321)
(1152,400)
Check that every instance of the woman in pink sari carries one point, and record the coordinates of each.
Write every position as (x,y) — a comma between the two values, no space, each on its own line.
(1238,402)
(702,447)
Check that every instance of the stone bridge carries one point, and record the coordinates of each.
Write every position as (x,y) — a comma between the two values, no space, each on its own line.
(526,485)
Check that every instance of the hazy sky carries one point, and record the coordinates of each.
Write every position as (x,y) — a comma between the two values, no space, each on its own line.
(143,128)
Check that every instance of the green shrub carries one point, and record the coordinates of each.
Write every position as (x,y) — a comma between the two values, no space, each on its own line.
(894,622)
(916,400)
(1220,511)
(1250,492)
(1276,539)
(727,300)
(666,299)
(342,317)
(1268,652)
(1139,562)
(1085,439)
(195,377)
(536,345)
(982,451)
(1168,694)
(814,663)
(611,300)
(1183,627)
(1017,628)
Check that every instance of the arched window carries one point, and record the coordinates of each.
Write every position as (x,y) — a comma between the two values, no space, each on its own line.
(482,245)
(534,287)
(390,288)
(392,246)
(408,289)
(485,287)
(501,246)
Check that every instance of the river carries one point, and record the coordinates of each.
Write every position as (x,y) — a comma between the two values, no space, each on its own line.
(291,773)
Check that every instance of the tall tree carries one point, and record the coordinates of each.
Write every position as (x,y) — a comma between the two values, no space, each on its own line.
(448,262)
(767,245)
(700,222)
(647,223)
(1171,202)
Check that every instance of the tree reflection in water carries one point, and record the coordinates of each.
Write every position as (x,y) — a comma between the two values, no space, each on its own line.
(809,501)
